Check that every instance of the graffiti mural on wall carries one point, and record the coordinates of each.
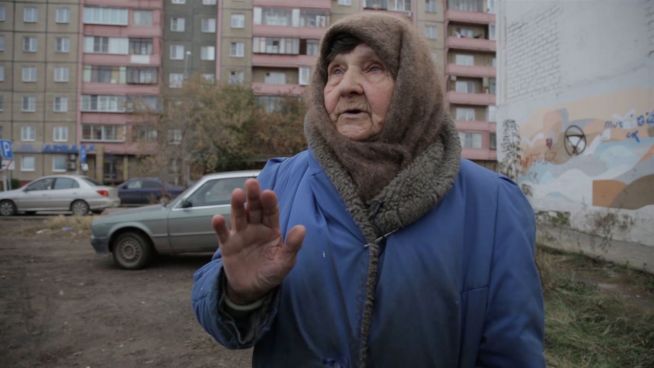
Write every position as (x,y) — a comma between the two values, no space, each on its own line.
(604,162)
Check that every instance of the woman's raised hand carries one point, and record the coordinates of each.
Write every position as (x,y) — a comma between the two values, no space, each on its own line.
(255,257)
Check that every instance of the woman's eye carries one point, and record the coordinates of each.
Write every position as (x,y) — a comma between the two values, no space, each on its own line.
(375,68)
(336,70)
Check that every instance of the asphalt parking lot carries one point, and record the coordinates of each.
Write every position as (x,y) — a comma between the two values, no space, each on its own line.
(61,305)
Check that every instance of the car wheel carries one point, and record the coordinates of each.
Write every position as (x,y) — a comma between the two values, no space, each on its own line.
(7,208)
(79,208)
(132,251)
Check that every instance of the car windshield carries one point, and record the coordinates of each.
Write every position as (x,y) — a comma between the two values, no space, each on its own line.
(91,181)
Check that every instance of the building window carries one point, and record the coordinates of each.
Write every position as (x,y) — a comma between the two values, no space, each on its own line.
(465,5)
(236,77)
(312,18)
(140,46)
(145,133)
(176,52)
(491,32)
(313,47)
(60,134)
(178,1)
(62,44)
(27,163)
(61,74)
(470,140)
(108,16)
(398,5)
(142,18)
(345,2)
(491,86)
(492,141)
(273,16)
(175,80)
(141,75)
(209,77)
(304,73)
(270,103)
(177,24)
(275,78)
(208,53)
(465,113)
(3,13)
(2,43)
(271,45)
(104,74)
(62,15)
(465,86)
(237,49)
(463,59)
(174,136)
(106,45)
(491,115)
(27,133)
(2,73)
(431,6)
(490,6)
(28,74)
(107,133)
(237,21)
(60,104)
(29,44)
(431,31)
(103,103)
(208,25)
(30,14)
(208,2)
(58,163)
(28,104)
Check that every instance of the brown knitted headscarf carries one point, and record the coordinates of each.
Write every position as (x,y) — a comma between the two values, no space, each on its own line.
(415,118)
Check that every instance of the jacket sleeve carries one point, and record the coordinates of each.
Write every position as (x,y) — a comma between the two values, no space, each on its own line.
(232,331)
(514,324)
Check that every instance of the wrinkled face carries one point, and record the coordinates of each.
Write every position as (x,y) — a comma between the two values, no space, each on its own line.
(358,93)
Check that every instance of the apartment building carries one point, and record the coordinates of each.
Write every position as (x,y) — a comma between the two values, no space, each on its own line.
(470,76)
(189,29)
(38,78)
(121,57)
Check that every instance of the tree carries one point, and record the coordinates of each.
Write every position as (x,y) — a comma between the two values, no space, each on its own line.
(212,127)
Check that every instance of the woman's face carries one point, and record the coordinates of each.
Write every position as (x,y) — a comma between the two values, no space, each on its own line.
(358,92)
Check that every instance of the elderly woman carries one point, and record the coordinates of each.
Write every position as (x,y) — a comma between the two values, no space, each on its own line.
(409,255)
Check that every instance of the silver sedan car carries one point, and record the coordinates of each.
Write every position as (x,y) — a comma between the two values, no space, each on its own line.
(77,194)
(134,236)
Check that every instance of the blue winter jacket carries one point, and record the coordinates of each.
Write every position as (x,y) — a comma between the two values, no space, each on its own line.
(457,288)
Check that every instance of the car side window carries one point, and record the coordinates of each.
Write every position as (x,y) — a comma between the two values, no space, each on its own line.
(134,184)
(43,184)
(65,183)
(151,184)
(216,192)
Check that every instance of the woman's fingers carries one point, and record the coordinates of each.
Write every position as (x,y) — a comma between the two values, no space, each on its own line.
(270,209)
(254,210)
(220,227)
(238,215)
(294,240)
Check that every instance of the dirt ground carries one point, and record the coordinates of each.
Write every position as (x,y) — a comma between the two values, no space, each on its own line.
(61,305)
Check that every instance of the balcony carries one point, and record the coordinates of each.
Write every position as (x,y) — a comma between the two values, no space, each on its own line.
(469,17)
(283,61)
(119,89)
(287,31)
(122,60)
(472,44)
(277,89)
(482,99)
(475,125)
(138,4)
(476,71)
(121,31)
(321,4)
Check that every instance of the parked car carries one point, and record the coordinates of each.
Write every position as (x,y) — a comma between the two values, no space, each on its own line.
(147,191)
(135,235)
(74,193)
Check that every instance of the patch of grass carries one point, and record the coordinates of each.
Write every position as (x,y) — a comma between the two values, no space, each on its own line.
(68,226)
(586,326)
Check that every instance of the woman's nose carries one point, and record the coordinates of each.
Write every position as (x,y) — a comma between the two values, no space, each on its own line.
(351,83)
